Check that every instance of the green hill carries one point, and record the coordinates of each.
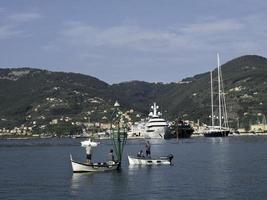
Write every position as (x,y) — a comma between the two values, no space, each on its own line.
(244,84)
(30,96)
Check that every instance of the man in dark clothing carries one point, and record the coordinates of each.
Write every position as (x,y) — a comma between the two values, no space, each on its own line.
(148,147)
(111,155)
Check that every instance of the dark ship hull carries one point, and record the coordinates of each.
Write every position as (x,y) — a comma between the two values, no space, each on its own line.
(179,131)
(217,134)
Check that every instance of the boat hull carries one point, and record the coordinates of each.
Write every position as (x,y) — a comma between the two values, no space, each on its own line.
(164,160)
(217,134)
(155,133)
(183,131)
(93,167)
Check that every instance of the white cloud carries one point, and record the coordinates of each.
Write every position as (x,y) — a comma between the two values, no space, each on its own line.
(11,24)
(195,36)
(8,32)
(229,35)
(213,27)
(23,17)
(130,37)
(192,45)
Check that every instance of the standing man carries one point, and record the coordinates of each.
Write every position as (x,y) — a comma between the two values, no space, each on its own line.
(88,154)
(111,155)
(88,144)
(148,147)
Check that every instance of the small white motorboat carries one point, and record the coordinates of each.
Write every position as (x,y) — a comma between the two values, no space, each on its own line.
(161,160)
(78,167)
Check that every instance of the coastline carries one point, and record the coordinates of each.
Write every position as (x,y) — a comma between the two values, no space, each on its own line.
(8,137)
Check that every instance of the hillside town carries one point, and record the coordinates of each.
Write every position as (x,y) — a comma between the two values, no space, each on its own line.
(85,128)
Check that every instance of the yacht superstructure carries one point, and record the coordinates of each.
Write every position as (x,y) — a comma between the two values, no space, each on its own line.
(156,126)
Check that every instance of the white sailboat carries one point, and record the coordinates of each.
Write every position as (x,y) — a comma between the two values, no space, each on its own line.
(222,130)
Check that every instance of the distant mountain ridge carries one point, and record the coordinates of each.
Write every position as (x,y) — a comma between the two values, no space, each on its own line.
(26,94)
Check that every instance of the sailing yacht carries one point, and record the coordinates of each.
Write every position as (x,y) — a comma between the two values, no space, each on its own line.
(222,130)
(156,126)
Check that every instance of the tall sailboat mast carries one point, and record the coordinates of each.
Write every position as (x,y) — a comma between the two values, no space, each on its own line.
(219,88)
(218,129)
(211,96)
(225,115)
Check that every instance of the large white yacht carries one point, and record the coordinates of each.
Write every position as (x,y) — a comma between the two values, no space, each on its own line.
(156,126)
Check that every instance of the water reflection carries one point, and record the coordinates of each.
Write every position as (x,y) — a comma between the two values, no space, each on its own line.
(216,140)
(133,169)
(218,168)
(80,179)
(118,185)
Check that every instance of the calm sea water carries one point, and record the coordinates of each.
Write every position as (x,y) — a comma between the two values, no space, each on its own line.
(204,168)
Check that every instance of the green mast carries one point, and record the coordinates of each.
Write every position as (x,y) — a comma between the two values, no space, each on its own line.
(118,132)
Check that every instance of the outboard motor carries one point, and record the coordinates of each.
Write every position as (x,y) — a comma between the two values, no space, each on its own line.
(170,156)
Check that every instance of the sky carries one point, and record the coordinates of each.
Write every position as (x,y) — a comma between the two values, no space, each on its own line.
(124,40)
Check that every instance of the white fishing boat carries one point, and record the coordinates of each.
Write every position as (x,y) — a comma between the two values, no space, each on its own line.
(118,136)
(78,167)
(88,166)
(161,160)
